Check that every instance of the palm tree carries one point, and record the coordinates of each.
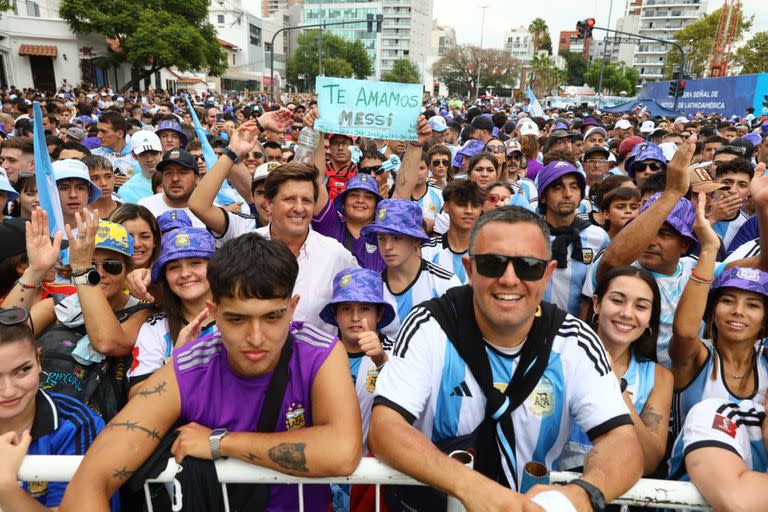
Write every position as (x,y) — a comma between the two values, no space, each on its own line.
(545,75)
(539,34)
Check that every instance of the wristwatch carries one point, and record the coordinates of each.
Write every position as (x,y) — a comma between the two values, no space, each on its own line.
(215,442)
(88,276)
(596,496)
(231,154)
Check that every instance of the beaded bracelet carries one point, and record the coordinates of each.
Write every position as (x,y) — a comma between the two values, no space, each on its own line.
(26,286)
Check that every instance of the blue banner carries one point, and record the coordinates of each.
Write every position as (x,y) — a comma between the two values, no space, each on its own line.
(727,96)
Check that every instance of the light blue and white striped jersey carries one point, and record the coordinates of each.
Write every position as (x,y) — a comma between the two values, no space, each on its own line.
(565,287)
(428,382)
(431,282)
(746,250)
(431,203)
(703,386)
(640,377)
(727,229)
(671,287)
(438,251)
(732,426)
(529,190)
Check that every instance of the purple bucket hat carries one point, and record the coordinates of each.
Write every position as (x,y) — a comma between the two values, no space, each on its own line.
(358,285)
(173,219)
(641,152)
(358,182)
(754,138)
(470,148)
(395,217)
(182,243)
(681,217)
(173,126)
(743,278)
(556,170)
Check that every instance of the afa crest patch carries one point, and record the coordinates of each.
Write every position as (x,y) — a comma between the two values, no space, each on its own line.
(345,280)
(370,381)
(182,240)
(587,255)
(541,401)
(382,214)
(294,417)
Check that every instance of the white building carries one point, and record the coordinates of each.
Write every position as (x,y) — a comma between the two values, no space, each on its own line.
(661,19)
(443,39)
(519,43)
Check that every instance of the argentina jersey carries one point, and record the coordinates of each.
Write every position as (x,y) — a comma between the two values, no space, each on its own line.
(746,250)
(428,382)
(732,426)
(431,203)
(529,191)
(727,229)
(431,282)
(706,385)
(438,251)
(565,287)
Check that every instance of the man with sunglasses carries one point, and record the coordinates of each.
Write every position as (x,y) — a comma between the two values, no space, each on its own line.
(489,366)
(371,163)
(339,167)
(646,159)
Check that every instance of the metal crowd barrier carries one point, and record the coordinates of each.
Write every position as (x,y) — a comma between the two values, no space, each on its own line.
(646,493)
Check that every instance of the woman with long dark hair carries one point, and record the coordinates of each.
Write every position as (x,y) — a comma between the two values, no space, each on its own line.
(143,227)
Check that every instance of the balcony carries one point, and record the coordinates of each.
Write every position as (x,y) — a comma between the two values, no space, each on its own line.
(670,3)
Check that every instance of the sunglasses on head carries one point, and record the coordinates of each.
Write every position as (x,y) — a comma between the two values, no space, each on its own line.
(654,166)
(496,148)
(374,169)
(444,163)
(494,265)
(114,267)
(13,316)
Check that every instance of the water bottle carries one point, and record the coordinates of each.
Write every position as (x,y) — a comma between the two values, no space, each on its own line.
(305,148)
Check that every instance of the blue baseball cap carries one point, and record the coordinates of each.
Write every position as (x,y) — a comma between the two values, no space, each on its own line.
(171,125)
(437,123)
(357,182)
(395,217)
(681,217)
(642,152)
(5,186)
(173,219)
(358,285)
(555,170)
(182,243)
(70,168)
(114,237)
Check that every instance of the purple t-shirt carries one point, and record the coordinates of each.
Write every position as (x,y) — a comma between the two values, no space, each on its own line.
(212,394)
(332,224)
(534,166)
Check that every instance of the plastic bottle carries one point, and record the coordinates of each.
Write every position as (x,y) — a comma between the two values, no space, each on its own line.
(305,147)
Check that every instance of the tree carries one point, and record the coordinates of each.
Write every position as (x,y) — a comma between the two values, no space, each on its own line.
(150,35)
(617,78)
(575,67)
(458,68)
(540,35)
(545,75)
(753,56)
(341,58)
(5,5)
(698,40)
(404,71)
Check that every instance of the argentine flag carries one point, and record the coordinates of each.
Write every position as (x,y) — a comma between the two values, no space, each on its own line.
(47,191)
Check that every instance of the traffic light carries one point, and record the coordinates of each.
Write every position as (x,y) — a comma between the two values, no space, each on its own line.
(673,88)
(676,88)
(369,23)
(680,88)
(371,19)
(584,27)
(590,25)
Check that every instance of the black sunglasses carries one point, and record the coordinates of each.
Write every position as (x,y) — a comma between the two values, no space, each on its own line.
(375,169)
(113,267)
(641,166)
(494,265)
(256,155)
(13,316)
(444,163)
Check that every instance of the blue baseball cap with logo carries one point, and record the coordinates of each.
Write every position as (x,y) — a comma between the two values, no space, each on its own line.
(114,237)
(358,285)
(681,217)
(182,243)
(173,126)
(358,182)
(395,217)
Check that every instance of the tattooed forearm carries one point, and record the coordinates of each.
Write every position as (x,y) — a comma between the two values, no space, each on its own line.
(122,474)
(133,426)
(590,457)
(289,456)
(650,418)
(252,458)
(157,390)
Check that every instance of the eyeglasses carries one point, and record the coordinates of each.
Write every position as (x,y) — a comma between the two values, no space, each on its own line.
(199,157)
(13,316)
(496,198)
(114,267)
(494,265)
(297,127)
(496,148)
(444,163)
(641,166)
(343,143)
(255,156)
(374,169)
(595,162)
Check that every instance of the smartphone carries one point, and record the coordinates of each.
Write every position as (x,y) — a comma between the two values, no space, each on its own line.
(219,117)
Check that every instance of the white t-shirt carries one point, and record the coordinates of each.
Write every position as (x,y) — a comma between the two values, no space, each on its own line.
(156,204)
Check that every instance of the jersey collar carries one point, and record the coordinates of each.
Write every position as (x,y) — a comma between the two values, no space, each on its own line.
(46,417)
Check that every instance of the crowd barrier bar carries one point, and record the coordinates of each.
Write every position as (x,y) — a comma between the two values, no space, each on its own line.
(646,493)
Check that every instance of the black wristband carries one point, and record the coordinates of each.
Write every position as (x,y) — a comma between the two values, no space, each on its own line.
(231,154)
(259,126)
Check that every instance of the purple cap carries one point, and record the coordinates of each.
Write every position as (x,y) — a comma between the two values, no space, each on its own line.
(85,119)
(182,243)
(681,217)
(754,138)
(743,278)
(91,142)
(357,182)
(470,148)
(590,121)
(556,170)
(395,217)
(173,219)
(642,152)
(358,285)
(169,124)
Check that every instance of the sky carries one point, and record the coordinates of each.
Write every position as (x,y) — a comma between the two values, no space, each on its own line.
(466,16)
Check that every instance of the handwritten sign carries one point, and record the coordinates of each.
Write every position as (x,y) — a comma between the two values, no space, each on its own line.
(376,110)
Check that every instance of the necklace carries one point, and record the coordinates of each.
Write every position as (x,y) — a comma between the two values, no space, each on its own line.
(749,370)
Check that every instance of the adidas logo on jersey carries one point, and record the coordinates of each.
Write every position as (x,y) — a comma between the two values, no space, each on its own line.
(461,390)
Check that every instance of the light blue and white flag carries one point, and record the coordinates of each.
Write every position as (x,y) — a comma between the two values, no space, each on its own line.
(534,109)
(47,191)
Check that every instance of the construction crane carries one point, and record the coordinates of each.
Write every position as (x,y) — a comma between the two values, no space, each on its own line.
(726,33)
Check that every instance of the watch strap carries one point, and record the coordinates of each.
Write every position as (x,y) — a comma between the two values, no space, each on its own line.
(215,442)
(84,279)
(231,154)
(83,271)
(596,496)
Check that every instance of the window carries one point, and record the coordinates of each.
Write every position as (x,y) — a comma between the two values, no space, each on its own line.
(33,9)
(233,59)
(220,19)
(255,35)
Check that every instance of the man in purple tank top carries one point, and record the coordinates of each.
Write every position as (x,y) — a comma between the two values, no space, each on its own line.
(217,386)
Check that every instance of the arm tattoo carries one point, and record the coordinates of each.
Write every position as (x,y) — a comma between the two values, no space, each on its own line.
(133,426)
(252,458)
(590,457)
(289,456)
(650,419)
(122,474)
(158,390)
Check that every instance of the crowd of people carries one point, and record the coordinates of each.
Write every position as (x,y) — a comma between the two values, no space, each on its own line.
(583,290)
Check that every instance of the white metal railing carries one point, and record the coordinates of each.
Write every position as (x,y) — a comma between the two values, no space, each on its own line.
(646,493)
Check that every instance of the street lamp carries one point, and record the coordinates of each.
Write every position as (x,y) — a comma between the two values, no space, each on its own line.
(482,29)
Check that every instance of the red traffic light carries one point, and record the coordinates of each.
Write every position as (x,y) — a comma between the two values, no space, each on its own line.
(590,22)
(682,83)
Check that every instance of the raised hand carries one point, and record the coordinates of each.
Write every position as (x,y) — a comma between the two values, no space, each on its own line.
(423,130)
(370,344)
(701,226)
(758,187)
(678,174)
(244,138)
(724,205)
(81,247)
(191,330)
(42,253)
(276,120)
(138,284)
